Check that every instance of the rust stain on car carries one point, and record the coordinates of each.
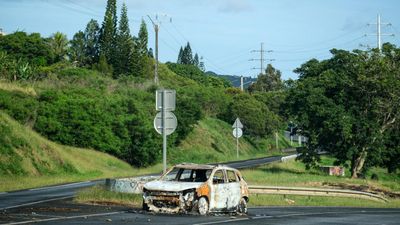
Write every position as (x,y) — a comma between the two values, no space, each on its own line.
(203,190)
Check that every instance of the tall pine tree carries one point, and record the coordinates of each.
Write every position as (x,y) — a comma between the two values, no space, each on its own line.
(196,60)
(143,39)
(179,61)
(124,48)
(109,32)
(187,56)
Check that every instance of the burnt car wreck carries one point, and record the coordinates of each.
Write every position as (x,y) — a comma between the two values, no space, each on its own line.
(197,188)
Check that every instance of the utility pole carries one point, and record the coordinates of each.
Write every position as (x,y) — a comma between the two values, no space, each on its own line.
(379,33)
(262,58)
(241,83)
(156,28)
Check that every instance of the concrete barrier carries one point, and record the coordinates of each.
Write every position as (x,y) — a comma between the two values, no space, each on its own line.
(289,157)
(128,185)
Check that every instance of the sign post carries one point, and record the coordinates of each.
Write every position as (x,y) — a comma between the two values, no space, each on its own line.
(165,121)
(237,133)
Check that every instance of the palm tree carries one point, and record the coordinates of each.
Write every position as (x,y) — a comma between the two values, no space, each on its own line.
(59,46)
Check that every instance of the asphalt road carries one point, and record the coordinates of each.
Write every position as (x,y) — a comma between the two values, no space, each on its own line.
(21,198)
(65,212)
(33,196)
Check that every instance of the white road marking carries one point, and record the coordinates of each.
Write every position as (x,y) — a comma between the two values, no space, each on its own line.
(37,202)
(59,186)
(290,215)
(2,193)
(68,217)
(222,221)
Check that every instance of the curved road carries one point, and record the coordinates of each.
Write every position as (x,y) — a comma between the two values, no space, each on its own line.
(33,196)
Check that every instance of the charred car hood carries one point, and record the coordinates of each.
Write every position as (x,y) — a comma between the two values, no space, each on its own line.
(172,186)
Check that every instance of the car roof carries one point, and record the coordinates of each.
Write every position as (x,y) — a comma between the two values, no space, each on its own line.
(202,166)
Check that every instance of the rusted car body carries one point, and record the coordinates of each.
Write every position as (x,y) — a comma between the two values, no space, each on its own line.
(197,188)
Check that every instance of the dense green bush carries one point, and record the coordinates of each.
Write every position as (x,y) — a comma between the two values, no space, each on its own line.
(20,106)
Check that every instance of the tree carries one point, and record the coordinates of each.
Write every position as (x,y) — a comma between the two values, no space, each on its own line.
(108,33)
(270,81)
(187,56)
(180,55)
(347,105)
(31,48)
(59,46)
(142,40)
(77,51)
(196,60)
(124,45)
(92,42)
(258,120)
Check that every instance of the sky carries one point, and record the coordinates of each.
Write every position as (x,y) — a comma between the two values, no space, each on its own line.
(226,32)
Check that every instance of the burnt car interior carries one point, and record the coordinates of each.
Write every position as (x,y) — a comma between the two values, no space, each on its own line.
(188,175)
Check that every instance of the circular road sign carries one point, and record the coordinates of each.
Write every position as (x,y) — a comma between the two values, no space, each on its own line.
(170,123)
(237,132)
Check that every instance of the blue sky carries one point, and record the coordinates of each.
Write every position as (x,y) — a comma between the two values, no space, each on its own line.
(225,31)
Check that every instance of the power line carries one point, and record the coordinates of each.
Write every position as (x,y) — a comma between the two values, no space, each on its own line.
(59,4)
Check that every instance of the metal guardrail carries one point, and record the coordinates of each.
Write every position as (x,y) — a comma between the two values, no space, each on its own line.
(314,192)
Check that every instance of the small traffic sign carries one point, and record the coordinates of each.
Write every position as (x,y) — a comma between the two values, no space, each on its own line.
(237,124)
(169,100)
(237,132)
(170,123)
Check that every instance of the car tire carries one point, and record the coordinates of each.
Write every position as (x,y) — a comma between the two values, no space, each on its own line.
(242,207)
(203,206)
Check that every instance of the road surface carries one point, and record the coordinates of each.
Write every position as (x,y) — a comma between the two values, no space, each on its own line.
(33,196)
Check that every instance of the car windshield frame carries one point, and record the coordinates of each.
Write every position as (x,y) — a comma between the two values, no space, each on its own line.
(188,175)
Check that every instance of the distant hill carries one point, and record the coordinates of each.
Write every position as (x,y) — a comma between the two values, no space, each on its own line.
(234,79)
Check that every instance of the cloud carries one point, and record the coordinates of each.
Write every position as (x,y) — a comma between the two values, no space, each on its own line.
(235,6)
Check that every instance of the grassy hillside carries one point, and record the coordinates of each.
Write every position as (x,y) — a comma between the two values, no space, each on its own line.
(29,160)
(212,141)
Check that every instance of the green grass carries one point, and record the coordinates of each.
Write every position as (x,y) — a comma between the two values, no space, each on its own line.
(99,195)
(212,141)
(294,200)
(294,174)
(28,160)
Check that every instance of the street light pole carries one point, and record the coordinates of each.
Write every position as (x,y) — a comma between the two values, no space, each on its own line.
(156,28)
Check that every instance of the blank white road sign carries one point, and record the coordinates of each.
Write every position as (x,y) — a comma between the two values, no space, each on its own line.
(170,123)
(170,100)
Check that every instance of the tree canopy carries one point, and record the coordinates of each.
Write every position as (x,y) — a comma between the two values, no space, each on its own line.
(347,105)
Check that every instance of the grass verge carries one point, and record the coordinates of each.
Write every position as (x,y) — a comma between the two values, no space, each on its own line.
(99,195)
(293,174)
(295,200)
